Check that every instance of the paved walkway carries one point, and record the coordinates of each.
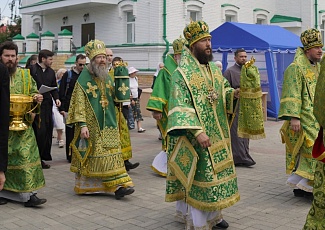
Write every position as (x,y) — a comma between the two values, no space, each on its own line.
(266,202)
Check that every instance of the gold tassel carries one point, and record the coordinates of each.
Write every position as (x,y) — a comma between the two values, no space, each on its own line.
(309,143)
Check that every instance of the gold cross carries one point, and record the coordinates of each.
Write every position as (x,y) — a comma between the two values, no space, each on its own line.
(92,89)
(212,96)
(197,80)
(123,89)
(185,160)
(103,101)
(310,75)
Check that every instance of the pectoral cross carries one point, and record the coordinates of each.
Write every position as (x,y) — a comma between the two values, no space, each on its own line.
(212,96)
(103,101)
(92,89)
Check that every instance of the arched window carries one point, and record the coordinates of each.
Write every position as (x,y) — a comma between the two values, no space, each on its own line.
(193,10)
(261,16)
(127,12)
(37,24)
(261,19)
(229,13)
(231,16)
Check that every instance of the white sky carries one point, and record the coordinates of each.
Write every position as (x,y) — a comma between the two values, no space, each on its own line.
(5,9)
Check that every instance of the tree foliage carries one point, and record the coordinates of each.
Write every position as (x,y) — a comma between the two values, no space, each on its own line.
(12,30)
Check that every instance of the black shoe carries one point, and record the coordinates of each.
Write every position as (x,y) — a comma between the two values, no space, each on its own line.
(45,166)
(222,225)
(302,193)
(3,201)
(69,158)
(298,193)
(34,201)
(245,164)
(129,165)
(309,195)
(121,192)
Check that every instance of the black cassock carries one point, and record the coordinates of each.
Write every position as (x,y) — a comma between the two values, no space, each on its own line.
(43,122)
(4,116)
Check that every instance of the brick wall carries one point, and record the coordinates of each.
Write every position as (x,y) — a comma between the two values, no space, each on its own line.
(58,61)
(145,81)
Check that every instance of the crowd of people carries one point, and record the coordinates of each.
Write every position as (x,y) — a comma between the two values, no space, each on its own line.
(197,105)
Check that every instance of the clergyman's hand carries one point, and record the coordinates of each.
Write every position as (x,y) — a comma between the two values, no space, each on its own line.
(84,132)
(38,98)
(203,140)
(157,115)
(236,93)
(295,124)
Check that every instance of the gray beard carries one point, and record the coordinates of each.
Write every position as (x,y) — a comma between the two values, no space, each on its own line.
(99,71)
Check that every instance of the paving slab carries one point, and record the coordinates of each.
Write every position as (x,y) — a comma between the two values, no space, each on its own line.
(266,203)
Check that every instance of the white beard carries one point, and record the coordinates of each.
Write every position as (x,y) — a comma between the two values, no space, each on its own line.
(99,71)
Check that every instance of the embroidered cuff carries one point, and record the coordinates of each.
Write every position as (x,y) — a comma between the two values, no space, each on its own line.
(82,124)
(196,132)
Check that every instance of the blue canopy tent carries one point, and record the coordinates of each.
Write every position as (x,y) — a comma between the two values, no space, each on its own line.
(277,44)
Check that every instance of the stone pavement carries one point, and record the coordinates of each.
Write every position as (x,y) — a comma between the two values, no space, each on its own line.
(266,202)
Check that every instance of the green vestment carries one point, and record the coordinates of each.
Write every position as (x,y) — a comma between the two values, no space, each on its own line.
(158,100)
(199,99)
(315,218)
(126,147)
(100,156)
(297,101)
(24,173)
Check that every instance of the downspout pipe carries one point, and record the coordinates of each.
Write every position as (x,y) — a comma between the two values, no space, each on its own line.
(316,14)
(165,30)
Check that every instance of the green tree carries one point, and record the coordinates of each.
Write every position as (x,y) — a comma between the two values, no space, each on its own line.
(12,30)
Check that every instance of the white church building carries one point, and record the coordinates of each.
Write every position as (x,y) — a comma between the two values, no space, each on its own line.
(142,31)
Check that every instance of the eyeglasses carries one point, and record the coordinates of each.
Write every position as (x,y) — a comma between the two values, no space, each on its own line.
(81,65)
